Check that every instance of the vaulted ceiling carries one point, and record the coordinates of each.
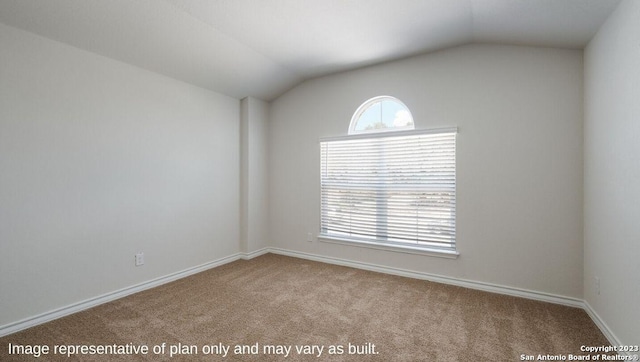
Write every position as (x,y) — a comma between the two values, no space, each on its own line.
(261,48)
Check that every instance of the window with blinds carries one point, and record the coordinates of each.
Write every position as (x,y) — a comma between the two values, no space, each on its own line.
(394,188)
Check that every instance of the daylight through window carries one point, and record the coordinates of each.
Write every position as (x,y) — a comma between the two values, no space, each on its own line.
(392,188)
(381,114)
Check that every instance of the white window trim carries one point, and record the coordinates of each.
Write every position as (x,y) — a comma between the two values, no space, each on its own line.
(386,134)
(406,249)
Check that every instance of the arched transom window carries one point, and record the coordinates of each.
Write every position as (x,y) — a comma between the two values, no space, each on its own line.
(379,114)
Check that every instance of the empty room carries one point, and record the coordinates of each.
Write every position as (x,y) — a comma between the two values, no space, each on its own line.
(367,180)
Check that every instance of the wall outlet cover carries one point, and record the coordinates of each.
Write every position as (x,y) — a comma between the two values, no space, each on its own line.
(139,259)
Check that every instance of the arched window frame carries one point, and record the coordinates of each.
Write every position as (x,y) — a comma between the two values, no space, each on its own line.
(369,103)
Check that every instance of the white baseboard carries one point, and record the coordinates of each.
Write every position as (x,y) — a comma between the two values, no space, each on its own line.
(252,254)
(487,287)
(608,333)
(92,302)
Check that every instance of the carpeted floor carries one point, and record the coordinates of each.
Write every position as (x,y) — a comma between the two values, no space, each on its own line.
(273,304)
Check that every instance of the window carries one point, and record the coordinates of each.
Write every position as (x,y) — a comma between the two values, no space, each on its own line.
(381,114)
(395,189)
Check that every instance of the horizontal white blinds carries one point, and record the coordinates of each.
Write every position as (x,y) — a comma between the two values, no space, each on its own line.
(393,189)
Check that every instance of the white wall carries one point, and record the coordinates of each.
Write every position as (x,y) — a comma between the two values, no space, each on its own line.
(519,159)
(99,160)
(254,174)
(612,172)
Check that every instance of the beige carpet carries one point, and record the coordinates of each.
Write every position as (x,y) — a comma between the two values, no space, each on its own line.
(288,302)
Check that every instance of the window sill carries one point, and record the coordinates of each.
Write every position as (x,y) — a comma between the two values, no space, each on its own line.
(394,248)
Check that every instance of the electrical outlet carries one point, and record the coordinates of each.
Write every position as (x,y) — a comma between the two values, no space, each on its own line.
(139,259)
(310,237)
(597,285)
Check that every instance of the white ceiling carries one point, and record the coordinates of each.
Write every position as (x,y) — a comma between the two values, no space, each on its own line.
(261,48)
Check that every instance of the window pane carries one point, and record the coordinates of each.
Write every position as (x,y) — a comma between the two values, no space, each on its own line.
(380,114)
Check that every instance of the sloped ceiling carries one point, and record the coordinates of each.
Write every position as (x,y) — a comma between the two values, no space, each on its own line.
(262,48)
